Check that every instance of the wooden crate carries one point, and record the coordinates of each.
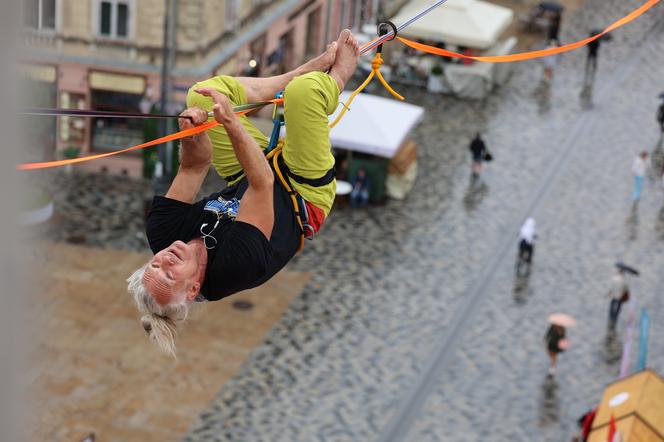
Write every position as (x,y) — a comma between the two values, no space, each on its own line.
(640,417)
(403,159)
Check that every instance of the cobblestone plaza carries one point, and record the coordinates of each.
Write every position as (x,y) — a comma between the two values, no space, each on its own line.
(413,326)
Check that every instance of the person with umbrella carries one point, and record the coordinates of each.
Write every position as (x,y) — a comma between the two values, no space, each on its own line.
(555,337)
(618,292)
(553,11)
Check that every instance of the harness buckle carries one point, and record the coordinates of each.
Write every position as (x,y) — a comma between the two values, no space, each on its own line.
(309,231)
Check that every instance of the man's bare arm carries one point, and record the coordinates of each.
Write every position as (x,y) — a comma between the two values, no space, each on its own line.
(195,160)
(262,89)
(257,203)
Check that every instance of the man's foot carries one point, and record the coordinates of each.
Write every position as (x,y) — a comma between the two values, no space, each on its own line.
(348,52)
(323,62)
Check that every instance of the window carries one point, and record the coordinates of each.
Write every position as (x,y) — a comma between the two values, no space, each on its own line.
(39,14)
(116,92)
(113,18)
(313,33)
(109,134)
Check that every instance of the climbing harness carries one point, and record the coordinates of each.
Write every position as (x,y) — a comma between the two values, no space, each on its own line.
(299,204)
(273,154)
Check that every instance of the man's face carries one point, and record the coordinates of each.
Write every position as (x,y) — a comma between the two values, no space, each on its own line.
(172,275)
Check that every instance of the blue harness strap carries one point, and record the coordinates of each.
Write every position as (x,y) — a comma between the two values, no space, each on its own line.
(278,121)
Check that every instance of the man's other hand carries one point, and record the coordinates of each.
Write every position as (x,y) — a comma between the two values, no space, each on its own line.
(223,112)
(198,117)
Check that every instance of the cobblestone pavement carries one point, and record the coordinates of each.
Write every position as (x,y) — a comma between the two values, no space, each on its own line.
(353,357)
(389,282)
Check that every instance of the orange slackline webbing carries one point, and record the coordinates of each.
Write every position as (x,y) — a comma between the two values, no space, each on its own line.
(171,137)
(175,136)
(375,71)
(532,54)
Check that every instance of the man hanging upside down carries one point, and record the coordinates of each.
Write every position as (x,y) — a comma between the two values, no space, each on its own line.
(240,237)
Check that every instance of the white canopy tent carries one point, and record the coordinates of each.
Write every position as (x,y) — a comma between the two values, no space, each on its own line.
(471,23)
(374,125)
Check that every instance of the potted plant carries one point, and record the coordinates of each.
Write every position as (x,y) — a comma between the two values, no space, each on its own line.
(435,81)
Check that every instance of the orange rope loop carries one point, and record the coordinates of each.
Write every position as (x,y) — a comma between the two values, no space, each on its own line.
(376,63)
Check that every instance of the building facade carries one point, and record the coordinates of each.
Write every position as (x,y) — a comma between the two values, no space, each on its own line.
(122,55)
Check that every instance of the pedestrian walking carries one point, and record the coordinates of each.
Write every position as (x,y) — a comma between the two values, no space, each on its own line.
(479,154)
(527,236)
(550,61)
(619,294)
(593,51)
(554,25)
(555,338)
(640,167)
(585,425)
(591,58)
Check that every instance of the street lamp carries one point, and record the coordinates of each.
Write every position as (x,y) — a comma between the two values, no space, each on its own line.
(164,168)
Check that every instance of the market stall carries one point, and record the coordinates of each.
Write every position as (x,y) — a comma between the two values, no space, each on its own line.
(473,27)
(377,128)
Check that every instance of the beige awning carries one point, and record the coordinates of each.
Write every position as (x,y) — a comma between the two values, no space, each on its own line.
(107,81)
(471,23)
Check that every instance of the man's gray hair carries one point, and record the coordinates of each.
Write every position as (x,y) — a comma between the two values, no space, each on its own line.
(159,321)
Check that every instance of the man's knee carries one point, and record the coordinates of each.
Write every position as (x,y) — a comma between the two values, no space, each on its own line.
(312,87)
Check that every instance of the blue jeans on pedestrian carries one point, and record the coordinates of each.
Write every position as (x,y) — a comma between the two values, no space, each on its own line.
(614,311)
(638,187)
(359,197)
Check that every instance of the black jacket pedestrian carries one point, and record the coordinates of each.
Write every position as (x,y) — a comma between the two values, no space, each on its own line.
(477,148)
(593,48)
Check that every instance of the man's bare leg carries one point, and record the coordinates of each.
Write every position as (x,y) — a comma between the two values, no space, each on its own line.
(348,52)
(309,100)
(262,89)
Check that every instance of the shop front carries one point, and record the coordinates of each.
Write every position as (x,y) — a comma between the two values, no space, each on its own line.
(116,93)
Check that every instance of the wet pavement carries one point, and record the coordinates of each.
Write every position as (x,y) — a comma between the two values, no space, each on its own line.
(414,326)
